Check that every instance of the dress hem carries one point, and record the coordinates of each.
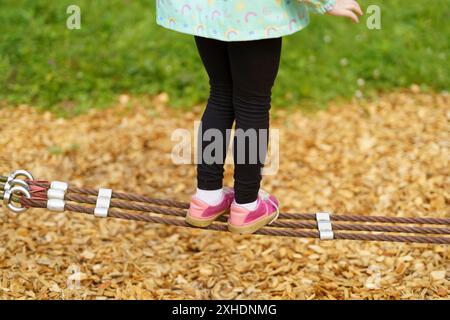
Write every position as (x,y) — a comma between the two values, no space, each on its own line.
(241,38)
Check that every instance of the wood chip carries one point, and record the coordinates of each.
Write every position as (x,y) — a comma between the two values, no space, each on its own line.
(438,275)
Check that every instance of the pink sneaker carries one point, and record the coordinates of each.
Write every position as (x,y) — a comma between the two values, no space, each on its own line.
(244,221)
(201,214)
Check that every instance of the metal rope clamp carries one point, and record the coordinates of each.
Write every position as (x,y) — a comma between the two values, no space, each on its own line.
(55,196)
(15,186)
(103,203)
(324,226)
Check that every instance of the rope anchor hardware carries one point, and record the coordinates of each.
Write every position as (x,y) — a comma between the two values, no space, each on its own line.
(14,187)
(8,199)
(12,179)
(105,203)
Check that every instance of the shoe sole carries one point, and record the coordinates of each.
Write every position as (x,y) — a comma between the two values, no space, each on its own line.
(249,229)
(202,223)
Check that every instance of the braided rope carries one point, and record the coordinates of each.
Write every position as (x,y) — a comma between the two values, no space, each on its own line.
(302,216)
(288,224)
(118,195)
(289,231)
(278,223)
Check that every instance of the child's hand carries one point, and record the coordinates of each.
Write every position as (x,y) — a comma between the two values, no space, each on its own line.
(346,8)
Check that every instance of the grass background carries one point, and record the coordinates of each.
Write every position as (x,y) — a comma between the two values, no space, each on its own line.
(120,49)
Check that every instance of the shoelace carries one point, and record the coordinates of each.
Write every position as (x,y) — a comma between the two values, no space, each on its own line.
(264,195)
(227,190)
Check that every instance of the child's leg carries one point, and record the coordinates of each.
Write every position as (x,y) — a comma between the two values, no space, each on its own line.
(254,67)
(219,114)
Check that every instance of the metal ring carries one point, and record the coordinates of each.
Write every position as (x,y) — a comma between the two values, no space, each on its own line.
(7,198)
(23,173)
(16,182)
(13,179)
(17,173)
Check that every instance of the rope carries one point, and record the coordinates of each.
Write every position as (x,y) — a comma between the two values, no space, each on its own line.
(304,216)
(119,195)
(131,206)
(278,223)
(218,226)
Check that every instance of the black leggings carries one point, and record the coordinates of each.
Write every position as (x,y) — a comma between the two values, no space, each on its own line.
(241,76)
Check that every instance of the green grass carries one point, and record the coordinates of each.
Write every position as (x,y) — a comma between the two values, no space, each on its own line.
(120,49)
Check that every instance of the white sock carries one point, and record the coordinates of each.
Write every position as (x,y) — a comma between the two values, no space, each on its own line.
(211,197)
(249,206)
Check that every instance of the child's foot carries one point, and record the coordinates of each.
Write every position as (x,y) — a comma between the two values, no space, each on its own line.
(202,214)
(244,221)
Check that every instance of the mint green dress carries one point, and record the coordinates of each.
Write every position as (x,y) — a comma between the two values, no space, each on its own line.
(238,20)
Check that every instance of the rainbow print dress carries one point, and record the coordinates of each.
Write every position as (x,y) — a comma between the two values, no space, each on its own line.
(238,20)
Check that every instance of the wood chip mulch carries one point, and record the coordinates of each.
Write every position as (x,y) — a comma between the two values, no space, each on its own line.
(389,157)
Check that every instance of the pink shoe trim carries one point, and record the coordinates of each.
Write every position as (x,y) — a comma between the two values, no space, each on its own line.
(199,209)
(240,216)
